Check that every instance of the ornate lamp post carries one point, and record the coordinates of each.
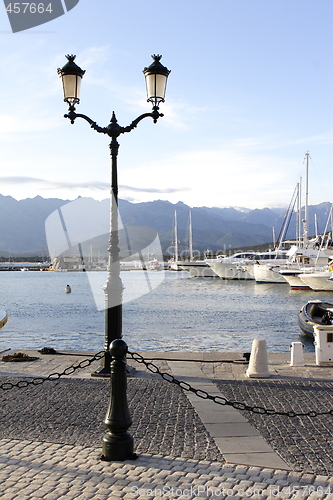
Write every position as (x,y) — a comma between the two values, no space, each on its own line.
(156,79)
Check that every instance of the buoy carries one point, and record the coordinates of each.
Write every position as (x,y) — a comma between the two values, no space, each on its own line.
(258,365)
(297,357)
(3,318)
(68,289)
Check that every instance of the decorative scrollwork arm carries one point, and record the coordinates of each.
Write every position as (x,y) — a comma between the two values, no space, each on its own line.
(113,129)
(155,115)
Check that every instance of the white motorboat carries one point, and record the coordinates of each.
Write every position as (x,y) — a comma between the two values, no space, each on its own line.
(154,265)
(233,267)
(263,268)
(243,265)
(293,277)
(300,260)
(318,281)
(268,273)
(198,268)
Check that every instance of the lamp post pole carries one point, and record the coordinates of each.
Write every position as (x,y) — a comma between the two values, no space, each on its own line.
(156,78)
(117,442)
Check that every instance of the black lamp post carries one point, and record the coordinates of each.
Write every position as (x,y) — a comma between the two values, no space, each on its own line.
(156,79)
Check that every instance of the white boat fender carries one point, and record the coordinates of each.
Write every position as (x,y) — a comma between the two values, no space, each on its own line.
(258,365)
(297,354)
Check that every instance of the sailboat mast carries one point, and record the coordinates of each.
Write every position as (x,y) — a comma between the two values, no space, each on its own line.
(190,237)
(316,225)
(306,219)
(176,238)
(297,214)
(299,211)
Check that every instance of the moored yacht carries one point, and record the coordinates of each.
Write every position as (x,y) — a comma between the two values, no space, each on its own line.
(314,259)
(197,268)
(300,260)
(305,255)
(319,281)
(293,277)
(267,265)
(233,267)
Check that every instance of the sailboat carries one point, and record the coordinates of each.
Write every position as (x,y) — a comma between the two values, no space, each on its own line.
(197,268)
(303,254)
(309,255)
(173,262)
(268,272)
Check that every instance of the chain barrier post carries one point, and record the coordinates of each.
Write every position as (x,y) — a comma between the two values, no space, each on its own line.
(118,442)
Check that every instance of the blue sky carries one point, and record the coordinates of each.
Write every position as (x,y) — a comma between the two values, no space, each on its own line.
(250,91)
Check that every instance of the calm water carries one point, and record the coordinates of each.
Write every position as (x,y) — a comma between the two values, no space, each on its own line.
(181,314)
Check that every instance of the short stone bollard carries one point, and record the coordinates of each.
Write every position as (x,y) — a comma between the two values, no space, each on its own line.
(118,442)
(297,354)
(258,365)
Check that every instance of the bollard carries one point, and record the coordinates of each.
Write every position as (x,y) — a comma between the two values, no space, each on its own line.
(258,366)
(117,442)
(297,357)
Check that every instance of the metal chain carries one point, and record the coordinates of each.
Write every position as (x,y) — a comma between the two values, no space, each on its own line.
(53,376)
(221,400)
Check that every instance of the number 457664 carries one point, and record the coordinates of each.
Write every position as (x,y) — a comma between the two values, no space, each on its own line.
(28,7)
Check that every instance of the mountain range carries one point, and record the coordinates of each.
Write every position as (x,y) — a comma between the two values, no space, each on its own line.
(22,224)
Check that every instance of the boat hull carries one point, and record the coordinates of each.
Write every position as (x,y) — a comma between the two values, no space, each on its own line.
(294,280)
(197,269)
(265,273)
(318,281)
(230,270)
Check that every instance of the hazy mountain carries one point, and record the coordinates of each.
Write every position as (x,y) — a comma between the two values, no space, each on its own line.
(22,224)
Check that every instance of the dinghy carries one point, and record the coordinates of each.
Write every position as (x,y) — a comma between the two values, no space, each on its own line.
(315,312)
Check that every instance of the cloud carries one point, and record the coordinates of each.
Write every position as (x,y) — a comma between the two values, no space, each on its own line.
(221,177)
(21,126)
(324,138)
(89,185)
(153,190)
(47,184)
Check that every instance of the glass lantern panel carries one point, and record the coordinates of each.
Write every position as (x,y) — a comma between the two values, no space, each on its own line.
(156,85)
(71,84)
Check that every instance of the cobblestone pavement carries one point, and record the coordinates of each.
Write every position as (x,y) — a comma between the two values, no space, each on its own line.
(72,412)
(40,470)
(306,443)
(50,439)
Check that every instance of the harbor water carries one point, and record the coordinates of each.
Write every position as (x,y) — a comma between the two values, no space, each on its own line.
(181,314)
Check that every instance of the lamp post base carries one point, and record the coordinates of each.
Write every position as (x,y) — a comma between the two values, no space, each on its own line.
(104,370)
(115,447)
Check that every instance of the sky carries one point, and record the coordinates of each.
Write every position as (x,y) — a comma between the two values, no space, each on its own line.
(249,93)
